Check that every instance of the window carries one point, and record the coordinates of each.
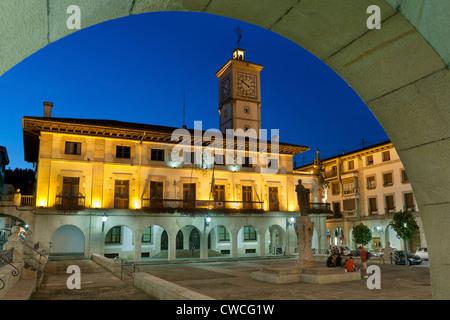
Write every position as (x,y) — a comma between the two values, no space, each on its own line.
(371,182)
(188,157)
(219,193)
(246,162)
(123,152)
(121,192)
(387,179)
(405,178)
(114,235)
(335,189)
(219,159)
(390,207)
(247,197)
(273,199)
(349,205)
(73,148)
(409,202)
(156,194)
(71,186)
(373,206)
(351,165)
(386,156)
(336,208)
(369,160)
(147,236)
(249,233)
(223,233)
(157,155)
(189,195)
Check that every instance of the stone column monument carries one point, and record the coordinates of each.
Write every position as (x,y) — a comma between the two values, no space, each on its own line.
(304,230)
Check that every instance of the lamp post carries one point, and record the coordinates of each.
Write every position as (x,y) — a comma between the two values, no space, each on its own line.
(207,221)
(104,219)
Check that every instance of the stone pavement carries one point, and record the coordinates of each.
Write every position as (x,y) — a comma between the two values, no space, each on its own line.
(97,283)
(232,281)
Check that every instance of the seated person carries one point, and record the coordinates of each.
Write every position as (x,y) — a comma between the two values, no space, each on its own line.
(350,265)
(338,261)
(331,261)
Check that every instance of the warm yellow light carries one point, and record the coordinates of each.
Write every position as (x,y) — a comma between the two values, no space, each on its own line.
(96,204)
(291,208)
(137,204)
(42,203)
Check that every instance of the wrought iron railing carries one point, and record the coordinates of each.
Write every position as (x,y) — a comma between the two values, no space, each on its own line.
(177,203)
(6,258)
(70,200)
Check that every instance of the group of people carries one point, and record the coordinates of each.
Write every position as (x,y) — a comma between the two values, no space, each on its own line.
(335,260)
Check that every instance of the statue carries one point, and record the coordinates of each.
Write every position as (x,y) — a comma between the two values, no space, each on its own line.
(387,253)
(302,198)
(15,243)
(304,229)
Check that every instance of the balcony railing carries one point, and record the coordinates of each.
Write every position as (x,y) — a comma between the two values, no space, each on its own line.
(320,207)
(75,201)
(351,191)
(176,203)
(389,210)
(409,208)
(27,201)
(351,213)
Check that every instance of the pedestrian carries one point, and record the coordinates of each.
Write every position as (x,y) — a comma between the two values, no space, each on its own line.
(363,256)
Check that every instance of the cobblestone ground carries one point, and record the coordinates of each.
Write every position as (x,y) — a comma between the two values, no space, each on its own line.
(97,283)
(232,281)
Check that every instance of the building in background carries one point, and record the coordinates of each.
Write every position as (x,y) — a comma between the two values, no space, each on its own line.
(366,186)
(114,188)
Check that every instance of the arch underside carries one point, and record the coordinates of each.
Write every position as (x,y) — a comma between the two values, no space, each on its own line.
(400,71)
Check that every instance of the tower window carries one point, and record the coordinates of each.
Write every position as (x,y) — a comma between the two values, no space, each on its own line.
(246,110)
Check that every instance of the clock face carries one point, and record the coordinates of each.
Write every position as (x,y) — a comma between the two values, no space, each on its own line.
(225,88)
(246,85)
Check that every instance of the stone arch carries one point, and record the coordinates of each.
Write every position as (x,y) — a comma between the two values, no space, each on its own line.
(399,70)
(275,238)
(119,241)
(66,240)
(154,245)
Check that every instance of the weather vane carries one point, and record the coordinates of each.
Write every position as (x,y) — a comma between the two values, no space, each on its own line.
(238,31)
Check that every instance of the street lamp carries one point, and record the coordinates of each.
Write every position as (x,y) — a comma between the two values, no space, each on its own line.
(207,220)
(104,219)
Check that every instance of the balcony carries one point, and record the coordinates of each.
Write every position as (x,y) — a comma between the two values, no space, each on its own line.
(158,204)
(350,191)
(69,204)
(389,210)
(351,213)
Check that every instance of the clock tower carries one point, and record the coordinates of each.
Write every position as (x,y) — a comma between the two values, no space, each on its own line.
(239,94)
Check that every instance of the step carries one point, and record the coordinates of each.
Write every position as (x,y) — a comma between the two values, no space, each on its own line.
(22,290)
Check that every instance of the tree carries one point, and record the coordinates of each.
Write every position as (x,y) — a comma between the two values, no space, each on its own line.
(405,226)
(23,179)
(362,234)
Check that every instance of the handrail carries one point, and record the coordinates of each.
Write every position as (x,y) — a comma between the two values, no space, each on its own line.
(36,251)
(7,256)
(122,261)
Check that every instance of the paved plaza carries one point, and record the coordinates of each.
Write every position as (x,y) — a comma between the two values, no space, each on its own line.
(231,280)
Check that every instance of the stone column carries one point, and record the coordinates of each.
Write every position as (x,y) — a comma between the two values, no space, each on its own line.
(262,243)
(233,244)
(137,246)
(172,247)
(304,231)
(204,244)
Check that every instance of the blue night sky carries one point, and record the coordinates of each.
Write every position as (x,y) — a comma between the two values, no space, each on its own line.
(135,69)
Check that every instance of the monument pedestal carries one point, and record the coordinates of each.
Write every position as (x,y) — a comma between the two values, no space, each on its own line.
(319,275)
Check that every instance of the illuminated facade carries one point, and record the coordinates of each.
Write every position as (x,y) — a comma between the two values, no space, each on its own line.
(367,186)
(115,188)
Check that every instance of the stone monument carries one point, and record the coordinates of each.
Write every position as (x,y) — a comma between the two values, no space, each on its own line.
(15,242)
(304,230)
